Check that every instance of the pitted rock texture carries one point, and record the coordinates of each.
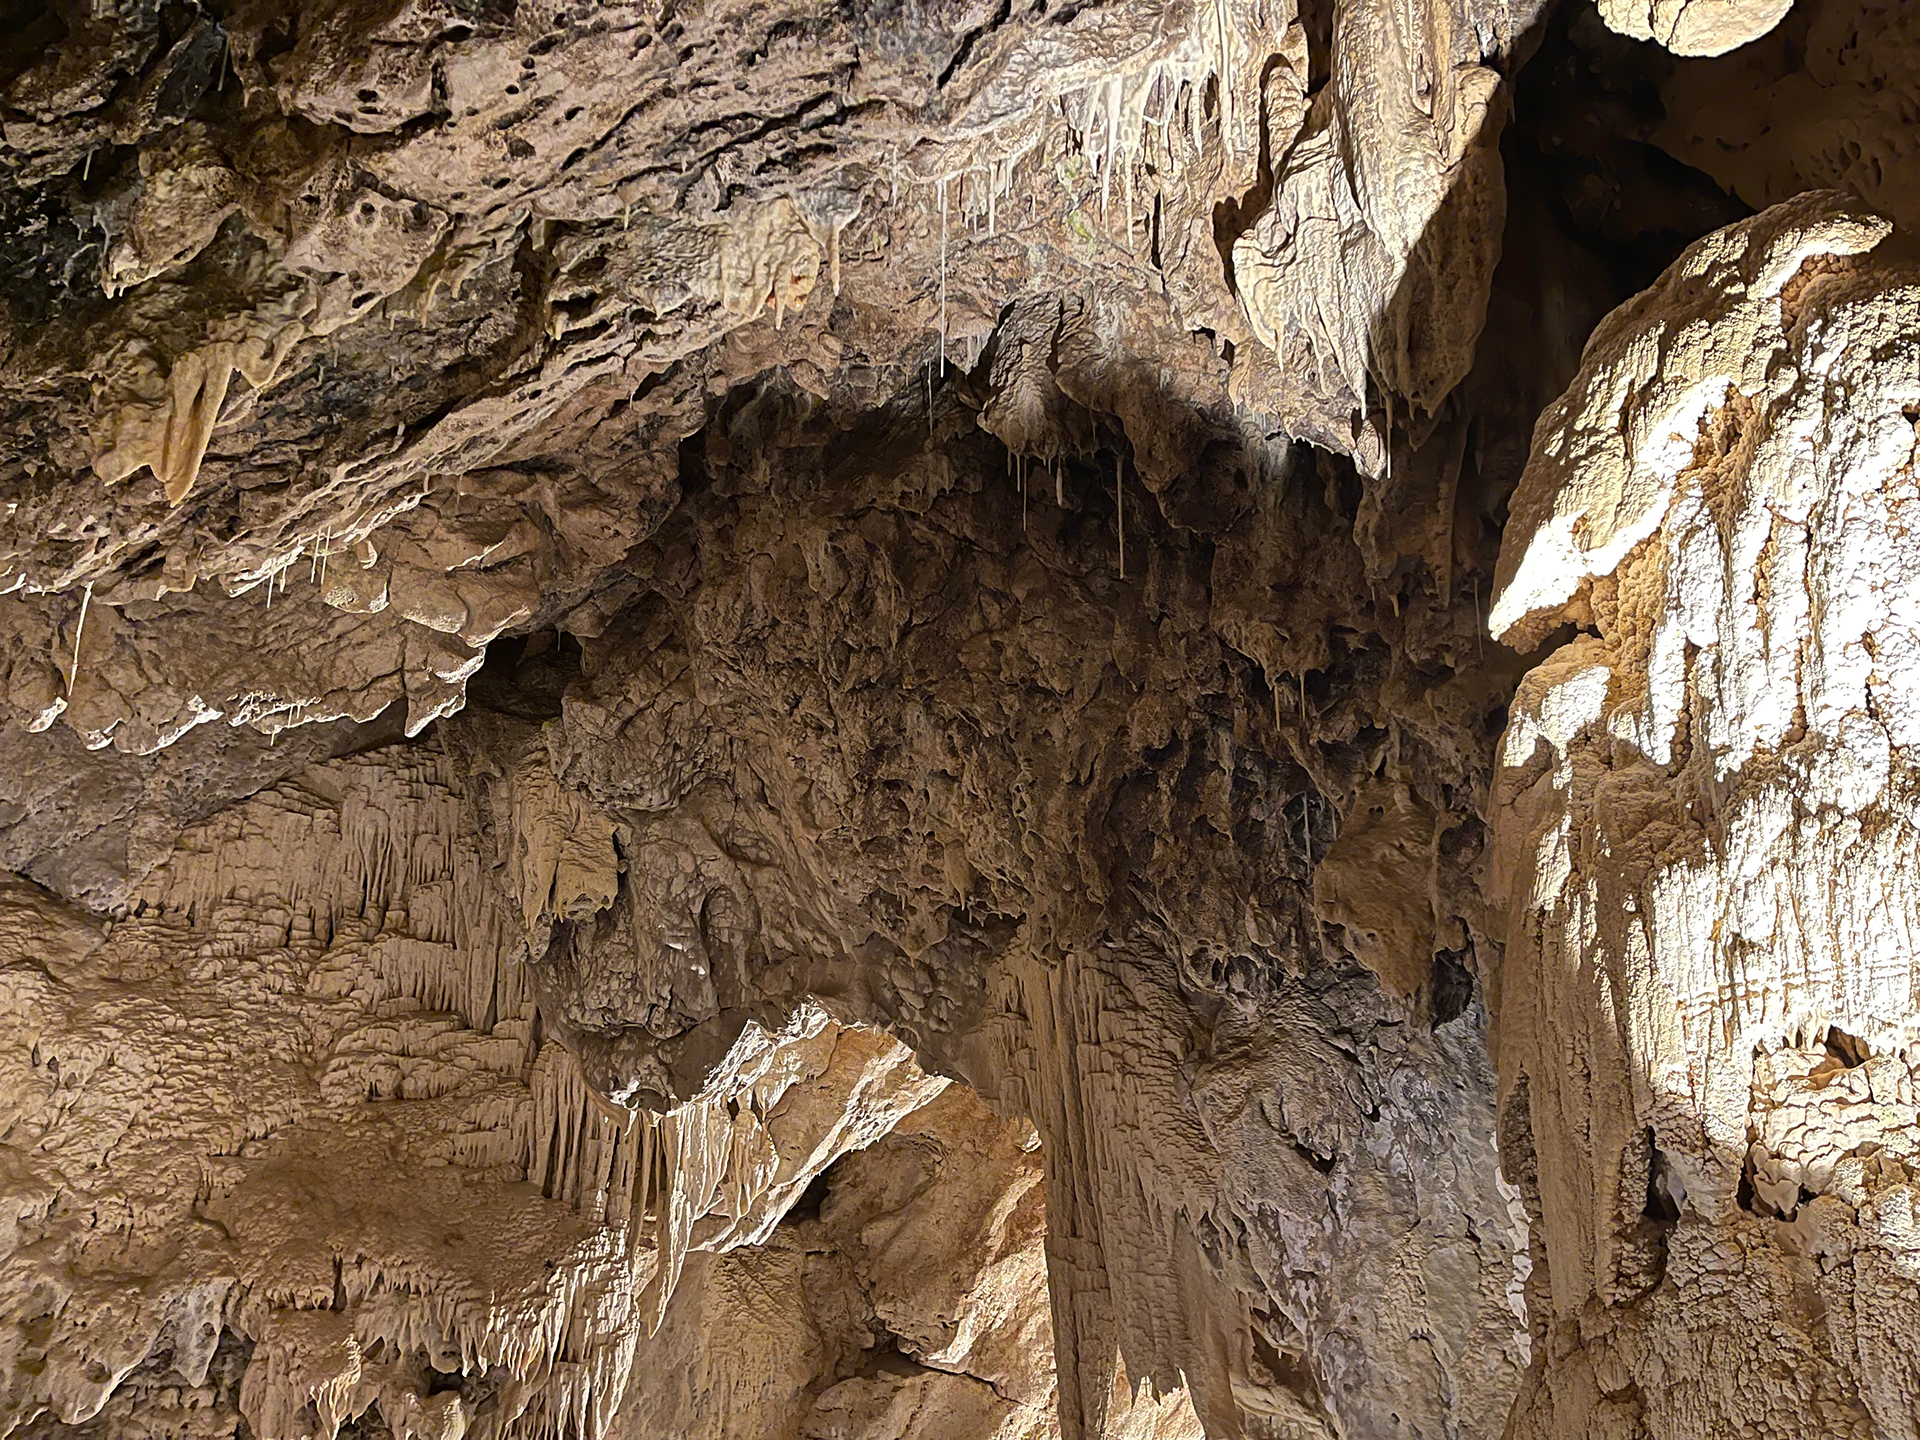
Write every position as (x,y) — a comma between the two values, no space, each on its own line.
(1704,833)
(894,749)
(1824,101)
(1695,27)
(756,719)
(908,1300)
(388,319)
(297,1092)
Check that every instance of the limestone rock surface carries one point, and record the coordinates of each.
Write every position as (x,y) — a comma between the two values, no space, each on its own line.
(1695,27)
(1709,990)
(935,720)
(1822,102)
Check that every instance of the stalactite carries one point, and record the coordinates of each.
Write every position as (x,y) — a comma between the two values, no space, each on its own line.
(940,188)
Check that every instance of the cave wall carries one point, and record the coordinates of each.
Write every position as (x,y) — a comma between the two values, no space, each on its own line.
(941,720)
(1708,994)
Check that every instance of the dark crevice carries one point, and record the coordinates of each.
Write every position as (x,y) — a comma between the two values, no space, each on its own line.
(1585,109)
(1452,987)
(965,51)
(1850,1051)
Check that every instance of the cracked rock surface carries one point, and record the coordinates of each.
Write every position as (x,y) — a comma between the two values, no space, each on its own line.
(932,720)
(1701,812)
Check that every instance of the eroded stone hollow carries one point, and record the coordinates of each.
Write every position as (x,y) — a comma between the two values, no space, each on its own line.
(920,722)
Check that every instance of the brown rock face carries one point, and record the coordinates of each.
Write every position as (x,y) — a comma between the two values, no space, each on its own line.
(932,721)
